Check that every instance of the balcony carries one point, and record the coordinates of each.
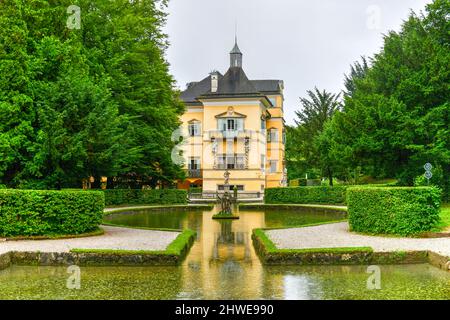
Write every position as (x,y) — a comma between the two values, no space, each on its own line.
(194,173)
(228,134)
(237,166)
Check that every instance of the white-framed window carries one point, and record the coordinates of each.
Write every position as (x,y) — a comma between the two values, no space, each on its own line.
(194,163)
(272,135)
(240,162)
(263,163)
(263,124)
(231,124)
(194,129)
(231,161)
(273,166)
(221,187)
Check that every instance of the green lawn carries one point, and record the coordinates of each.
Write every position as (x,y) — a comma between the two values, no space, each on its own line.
(445,215)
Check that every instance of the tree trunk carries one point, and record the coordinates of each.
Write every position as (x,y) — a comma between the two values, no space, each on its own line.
(110,183)
(330,176)
(96,184)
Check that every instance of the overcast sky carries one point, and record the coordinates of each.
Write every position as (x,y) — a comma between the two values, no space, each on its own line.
(306,43)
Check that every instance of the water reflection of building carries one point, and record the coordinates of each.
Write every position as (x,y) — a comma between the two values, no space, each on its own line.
(223,258)
(231,245)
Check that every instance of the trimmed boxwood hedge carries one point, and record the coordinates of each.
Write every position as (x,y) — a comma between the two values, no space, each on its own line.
(303,195)
(393,210)
(46,212)
(114,197)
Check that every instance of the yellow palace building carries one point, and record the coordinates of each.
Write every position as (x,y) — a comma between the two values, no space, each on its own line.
(235,124)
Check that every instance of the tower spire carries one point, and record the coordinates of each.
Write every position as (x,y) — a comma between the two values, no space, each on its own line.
(235,32)
(235,54)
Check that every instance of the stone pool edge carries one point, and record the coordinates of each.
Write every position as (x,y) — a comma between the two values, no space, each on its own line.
(270,255)
(112,210)
(172,256)
(316,207)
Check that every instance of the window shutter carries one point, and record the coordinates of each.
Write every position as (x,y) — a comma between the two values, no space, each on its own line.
(240,124)
(221,124)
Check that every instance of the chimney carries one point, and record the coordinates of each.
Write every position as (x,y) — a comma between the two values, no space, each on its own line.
(214,81)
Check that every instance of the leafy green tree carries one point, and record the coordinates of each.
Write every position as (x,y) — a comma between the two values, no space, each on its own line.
(397,117)
(130,33)
(96,101)
(304,147)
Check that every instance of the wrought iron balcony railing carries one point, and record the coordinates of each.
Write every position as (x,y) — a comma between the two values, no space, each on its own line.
(195,173)
(236,166)
(226,134)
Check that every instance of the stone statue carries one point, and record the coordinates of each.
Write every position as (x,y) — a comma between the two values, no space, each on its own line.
(225,203)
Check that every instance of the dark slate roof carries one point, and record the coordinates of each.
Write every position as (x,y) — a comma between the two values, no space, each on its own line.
(267,85)
(234,82)
(197,89)
(235,49)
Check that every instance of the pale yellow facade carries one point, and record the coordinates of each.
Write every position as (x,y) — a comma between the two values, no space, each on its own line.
(228,128)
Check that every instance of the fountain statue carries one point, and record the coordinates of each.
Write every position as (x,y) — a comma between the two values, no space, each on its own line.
(225,201)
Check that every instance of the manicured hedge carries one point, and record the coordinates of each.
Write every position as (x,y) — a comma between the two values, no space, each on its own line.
(309,195)
(393,210)
(115,197)
(45,212)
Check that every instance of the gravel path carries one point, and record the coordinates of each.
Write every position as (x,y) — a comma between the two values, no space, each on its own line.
(338,235)
(113,238)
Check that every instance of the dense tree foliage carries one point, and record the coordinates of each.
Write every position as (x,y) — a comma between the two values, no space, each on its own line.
(304,149)
(358,71)
(396,112)
(95,101)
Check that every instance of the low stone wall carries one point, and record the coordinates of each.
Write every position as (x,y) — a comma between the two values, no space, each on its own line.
(119,209)
(303,207)
(91,259)
(5,260)
(343,256)
(106,258)
(439,261)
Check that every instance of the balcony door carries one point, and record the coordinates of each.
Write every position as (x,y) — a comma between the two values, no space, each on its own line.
(231,124)
(194,164)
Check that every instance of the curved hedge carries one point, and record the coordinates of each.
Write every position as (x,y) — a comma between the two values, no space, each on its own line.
(393,210)
(45,212)
(306,195)
(114,197)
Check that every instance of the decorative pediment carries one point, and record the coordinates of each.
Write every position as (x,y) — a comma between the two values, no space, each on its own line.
(193,121)
(231,114)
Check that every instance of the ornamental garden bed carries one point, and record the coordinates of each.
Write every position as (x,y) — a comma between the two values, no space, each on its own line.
(271,255)
(172,255)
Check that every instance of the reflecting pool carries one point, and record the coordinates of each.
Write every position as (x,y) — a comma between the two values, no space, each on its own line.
(222,264)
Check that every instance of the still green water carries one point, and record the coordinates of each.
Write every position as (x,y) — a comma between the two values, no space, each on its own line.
(222,264)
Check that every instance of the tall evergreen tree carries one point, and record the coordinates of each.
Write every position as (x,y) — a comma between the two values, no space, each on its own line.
(316,110)
(358,71)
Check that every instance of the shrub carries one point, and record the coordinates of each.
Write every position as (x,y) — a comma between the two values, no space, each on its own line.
(300,182)
(144,196)
(195,190)
(310,195)
(393,210)
(44,212)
